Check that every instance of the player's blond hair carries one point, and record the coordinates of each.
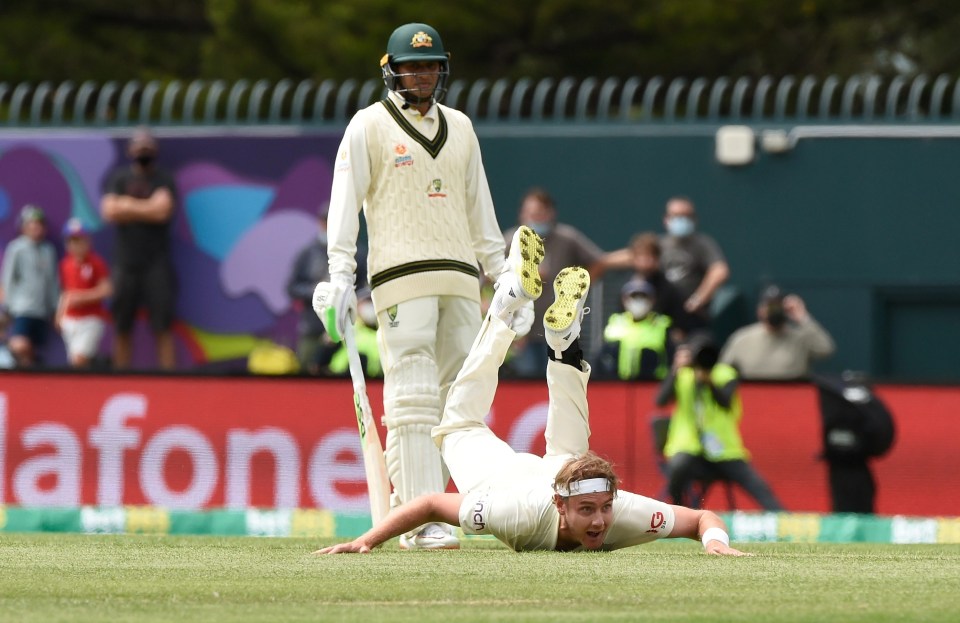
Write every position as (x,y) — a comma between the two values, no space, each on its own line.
(584,467)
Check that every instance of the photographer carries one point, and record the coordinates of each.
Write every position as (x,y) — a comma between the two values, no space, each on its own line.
(782,345)
(703,440)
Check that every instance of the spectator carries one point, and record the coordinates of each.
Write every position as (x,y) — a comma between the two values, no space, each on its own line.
(644,259)
(86,285)
(30,286)
(568,247)
(636,343)
(703,440)
(782,344)
(693,262)
(857,428)
(314,346)
(140,199)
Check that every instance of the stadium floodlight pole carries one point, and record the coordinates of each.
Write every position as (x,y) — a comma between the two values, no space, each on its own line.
(374,462)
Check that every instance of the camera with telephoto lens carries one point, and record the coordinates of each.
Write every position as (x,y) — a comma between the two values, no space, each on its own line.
(704,353)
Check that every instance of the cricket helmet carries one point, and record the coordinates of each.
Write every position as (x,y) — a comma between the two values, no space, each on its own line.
(415,43)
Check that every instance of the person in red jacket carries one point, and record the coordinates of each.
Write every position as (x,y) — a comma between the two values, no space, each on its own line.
(85,280)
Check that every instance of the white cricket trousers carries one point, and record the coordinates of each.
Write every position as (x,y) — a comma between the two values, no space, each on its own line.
(475,456)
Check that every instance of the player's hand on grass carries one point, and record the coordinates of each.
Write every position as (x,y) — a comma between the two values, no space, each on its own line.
(717,548)
(353,547)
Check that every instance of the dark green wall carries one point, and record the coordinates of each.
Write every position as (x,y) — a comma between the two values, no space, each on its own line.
(864,229)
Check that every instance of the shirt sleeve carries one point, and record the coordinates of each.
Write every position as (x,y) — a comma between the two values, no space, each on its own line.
(505,515)
(9,265)
(165,180)
(711,251)
(638,519)
(114,183)
(488,243)
(588,252)
(818,341)
(351,181)
(102,270)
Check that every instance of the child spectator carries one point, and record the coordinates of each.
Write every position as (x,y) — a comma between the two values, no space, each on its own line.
(86,283)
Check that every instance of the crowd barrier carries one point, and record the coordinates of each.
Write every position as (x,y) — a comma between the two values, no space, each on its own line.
(322,524)
(221,447)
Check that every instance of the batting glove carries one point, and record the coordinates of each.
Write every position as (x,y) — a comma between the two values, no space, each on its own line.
(523,319)
(335,303)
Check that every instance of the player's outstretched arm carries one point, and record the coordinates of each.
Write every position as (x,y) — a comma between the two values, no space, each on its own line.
(429,508)
(704,526)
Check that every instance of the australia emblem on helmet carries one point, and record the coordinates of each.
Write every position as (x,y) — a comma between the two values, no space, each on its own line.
(421,40)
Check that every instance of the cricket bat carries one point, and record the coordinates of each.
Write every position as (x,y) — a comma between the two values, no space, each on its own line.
(374,463)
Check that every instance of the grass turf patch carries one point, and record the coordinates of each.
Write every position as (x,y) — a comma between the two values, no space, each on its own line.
(67,577)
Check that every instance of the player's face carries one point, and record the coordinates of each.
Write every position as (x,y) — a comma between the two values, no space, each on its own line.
(419,78)
(588,518)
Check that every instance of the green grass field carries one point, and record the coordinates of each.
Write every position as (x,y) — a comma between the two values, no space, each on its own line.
(68,577)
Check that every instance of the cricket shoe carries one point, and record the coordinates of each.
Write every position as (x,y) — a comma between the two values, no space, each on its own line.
(431,536)
(520,280)
(561,321)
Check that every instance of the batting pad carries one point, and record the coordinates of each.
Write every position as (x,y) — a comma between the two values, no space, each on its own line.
(411,397)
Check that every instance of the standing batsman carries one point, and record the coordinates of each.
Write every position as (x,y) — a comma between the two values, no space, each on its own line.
(567,499)
(413,166)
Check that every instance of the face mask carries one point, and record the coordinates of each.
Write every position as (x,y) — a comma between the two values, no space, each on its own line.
(541,229)
(638,308)
(145,160)
(680,226)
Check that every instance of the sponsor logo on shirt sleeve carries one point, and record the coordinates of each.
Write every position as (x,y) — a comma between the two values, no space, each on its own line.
(657,522)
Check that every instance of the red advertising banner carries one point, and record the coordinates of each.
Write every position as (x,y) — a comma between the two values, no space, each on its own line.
(199,443)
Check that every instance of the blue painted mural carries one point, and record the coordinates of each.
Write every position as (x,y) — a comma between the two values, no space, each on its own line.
(246,206)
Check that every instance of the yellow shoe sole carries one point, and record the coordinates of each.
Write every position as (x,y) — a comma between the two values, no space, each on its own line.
(531,252)
(569,287)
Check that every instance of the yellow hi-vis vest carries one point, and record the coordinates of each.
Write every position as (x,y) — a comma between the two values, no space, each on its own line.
(635,336)
(699,425)
(366,346)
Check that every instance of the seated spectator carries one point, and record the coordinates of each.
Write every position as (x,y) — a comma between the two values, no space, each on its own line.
(30,286)
(644,254)
(703,439)
(81,314)
(693,262)
(636,344)
(782,344)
